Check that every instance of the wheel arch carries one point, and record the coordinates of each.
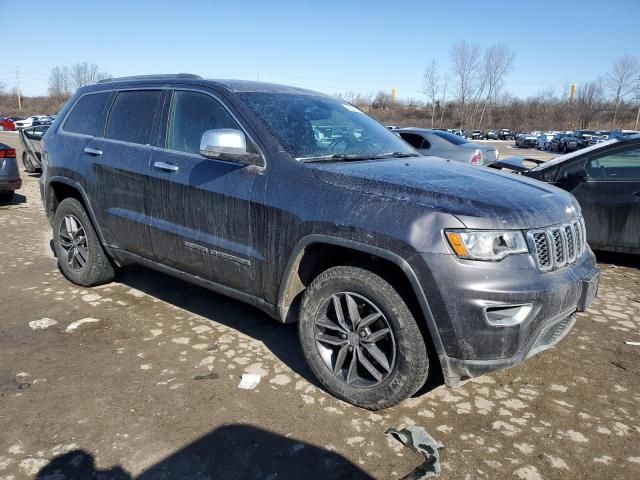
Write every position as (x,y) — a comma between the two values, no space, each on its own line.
(59,188)
(300,270)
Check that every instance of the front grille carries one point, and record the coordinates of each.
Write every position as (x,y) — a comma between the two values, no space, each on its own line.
(557,246)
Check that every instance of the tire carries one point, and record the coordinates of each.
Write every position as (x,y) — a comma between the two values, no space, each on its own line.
(28,165)
(96,268)
(405,365)
(6,197)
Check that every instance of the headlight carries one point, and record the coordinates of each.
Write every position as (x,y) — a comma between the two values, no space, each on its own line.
(486,244)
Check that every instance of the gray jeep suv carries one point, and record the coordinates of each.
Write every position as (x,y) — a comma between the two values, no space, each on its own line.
(395,265)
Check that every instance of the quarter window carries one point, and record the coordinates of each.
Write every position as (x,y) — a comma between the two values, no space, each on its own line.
(87,116)
(192,114)
(132,115)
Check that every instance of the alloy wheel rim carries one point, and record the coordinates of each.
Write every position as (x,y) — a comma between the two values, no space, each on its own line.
(73,240)
(355,340)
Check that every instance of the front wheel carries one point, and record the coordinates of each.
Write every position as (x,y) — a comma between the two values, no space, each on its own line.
(81,257)
(360,339)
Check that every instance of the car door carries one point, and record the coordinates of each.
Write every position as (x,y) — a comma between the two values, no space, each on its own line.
(201,208)
(120,162)
(30,140)
(610,198)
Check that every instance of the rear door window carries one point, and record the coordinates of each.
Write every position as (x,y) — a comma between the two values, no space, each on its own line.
(88,114)
(132,116)
(415,140)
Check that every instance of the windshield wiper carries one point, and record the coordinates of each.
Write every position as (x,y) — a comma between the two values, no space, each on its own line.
(343,157)
(399,155)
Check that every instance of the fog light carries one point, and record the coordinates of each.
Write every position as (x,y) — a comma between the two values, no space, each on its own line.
(507,315)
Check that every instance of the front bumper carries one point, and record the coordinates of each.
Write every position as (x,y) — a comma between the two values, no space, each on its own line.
(460,291)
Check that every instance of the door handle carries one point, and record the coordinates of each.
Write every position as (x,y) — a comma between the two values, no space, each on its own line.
(93,151)
(637,194)
(167,167)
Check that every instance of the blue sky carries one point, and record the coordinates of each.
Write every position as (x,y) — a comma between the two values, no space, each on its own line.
(330,46)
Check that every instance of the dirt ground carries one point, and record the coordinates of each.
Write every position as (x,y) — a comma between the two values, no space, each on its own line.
(139,379)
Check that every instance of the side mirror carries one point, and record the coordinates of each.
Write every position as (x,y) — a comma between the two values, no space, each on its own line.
(227,144)
(577,173)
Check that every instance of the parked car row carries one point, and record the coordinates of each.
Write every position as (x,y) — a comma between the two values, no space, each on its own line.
(18,123)
(568,141)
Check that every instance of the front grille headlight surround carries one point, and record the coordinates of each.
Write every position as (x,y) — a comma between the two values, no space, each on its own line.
(486,245)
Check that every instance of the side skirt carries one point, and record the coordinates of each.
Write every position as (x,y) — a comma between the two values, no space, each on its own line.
(125,258)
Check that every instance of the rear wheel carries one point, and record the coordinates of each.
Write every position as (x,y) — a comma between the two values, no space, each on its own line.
(81,257)
(360,338)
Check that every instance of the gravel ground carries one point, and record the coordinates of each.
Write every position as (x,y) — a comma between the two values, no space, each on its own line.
(139,379)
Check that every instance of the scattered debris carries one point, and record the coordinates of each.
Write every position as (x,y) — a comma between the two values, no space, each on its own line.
(637,344)
(12,384)
(209,376)
(74,326)
(42,323)
(417,439)
(249,381)
(619,365)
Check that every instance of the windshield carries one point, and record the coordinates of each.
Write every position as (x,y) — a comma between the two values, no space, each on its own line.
(450,137)
(310,127)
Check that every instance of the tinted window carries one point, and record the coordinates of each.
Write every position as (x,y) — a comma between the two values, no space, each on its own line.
(624,165)
(87,116)
(451,138)
(191,115)
(415,140)
(131,117)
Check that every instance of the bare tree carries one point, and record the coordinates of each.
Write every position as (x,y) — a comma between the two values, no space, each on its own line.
(464,64)
(381,101)
(620,81)
(588,102)
(498,61)
(431,87)
(83,74)
(60,83)
(443,98)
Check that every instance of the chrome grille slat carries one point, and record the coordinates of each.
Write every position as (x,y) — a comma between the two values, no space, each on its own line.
(559,245)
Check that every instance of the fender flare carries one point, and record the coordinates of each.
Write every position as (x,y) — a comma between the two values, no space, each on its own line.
(85,199)
(298,253)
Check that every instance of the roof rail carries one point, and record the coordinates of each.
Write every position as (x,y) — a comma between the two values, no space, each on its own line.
(151,77)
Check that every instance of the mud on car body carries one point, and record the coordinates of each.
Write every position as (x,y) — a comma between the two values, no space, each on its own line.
(395,265)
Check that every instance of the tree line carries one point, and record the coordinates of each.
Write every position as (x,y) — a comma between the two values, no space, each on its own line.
(470,94)
(63,81)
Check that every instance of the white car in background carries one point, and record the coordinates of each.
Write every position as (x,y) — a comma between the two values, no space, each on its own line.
(28,122)
(544,140)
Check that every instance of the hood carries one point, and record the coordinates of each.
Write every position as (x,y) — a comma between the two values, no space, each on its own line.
(480,197)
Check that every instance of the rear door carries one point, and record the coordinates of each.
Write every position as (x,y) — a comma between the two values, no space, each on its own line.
(202,208)
(121,167)
(610,198)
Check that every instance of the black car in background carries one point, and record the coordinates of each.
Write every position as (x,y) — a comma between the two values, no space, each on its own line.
(605,178)
(506,134)
(491,135)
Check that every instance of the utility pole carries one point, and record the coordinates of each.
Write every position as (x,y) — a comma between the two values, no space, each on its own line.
(638,99)
(18,89)
(258,72)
